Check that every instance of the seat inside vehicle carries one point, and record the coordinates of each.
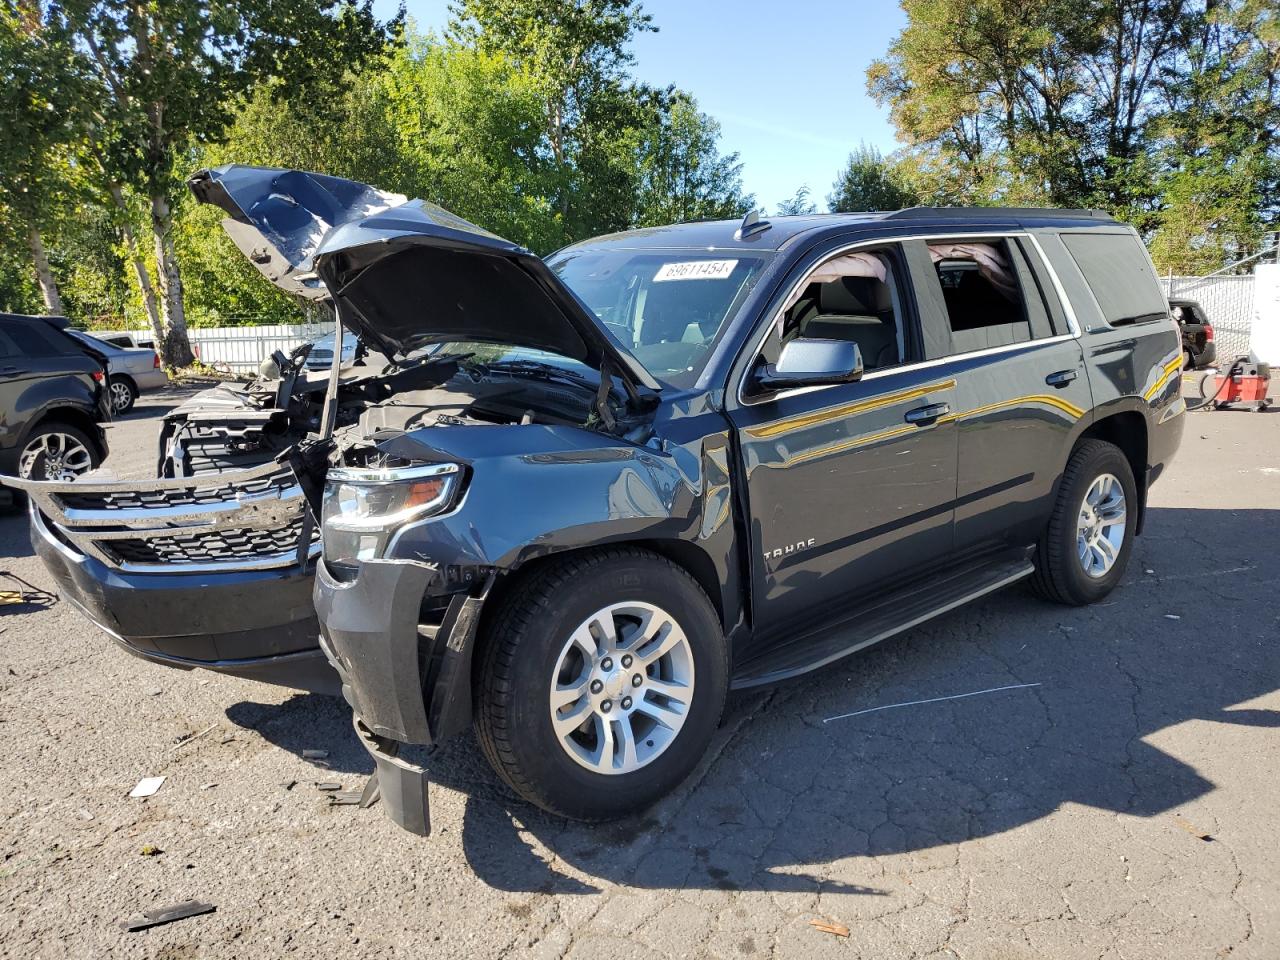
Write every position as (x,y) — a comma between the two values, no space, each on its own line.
(855,309)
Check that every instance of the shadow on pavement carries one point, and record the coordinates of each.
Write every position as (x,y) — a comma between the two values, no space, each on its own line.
(791,792)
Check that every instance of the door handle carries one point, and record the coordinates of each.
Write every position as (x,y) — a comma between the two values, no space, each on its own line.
(1061,378)
(923,416)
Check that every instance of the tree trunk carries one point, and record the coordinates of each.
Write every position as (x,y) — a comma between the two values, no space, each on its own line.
(139,264)
(44,275)
(174,347)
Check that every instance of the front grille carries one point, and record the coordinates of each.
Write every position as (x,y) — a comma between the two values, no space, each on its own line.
(213,546)
(199,493)
(252,520)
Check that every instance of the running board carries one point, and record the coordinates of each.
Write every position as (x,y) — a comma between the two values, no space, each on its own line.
(878,620)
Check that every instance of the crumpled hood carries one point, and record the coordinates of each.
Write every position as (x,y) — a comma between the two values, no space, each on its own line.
(404,274)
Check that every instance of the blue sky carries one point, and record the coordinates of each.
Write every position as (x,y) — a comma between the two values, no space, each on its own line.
(786,80)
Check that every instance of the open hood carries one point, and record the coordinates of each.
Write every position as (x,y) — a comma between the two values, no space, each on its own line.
(404,274)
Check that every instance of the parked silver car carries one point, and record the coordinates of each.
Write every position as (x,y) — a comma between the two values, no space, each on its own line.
(130,370)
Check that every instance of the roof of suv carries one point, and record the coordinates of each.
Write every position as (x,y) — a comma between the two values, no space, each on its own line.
(773,233)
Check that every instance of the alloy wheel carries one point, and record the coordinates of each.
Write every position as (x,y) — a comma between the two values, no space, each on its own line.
(1100,528)
(121,396)
(622,687)
(54,456)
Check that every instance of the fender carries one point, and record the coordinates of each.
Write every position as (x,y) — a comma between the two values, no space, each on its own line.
(532,491)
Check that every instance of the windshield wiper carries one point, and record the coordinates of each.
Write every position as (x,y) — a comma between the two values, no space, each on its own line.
(556,374)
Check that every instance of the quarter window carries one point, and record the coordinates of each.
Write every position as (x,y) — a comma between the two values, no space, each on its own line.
(1120,276)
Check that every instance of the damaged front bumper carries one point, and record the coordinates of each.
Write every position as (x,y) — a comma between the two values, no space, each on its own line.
(408,681)
(212,572)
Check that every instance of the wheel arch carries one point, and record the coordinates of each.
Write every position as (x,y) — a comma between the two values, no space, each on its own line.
(690,557)
(133,384)
(1128,430)
(72,416)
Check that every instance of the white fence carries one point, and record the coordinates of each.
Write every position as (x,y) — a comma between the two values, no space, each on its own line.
(243,348)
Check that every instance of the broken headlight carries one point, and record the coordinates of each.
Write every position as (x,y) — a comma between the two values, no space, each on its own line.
(364,508)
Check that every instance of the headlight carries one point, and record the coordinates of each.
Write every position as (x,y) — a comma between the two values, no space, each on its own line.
(364,508)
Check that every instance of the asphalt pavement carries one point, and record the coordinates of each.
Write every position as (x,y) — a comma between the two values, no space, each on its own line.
(1112,793)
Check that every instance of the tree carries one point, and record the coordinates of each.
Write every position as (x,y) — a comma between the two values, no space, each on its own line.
(869,182)
(681,174)
(42,120)
(574,53)
(170,73)
(798,205)
(1163,112)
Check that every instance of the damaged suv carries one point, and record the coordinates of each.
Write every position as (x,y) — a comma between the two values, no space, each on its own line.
(584,497)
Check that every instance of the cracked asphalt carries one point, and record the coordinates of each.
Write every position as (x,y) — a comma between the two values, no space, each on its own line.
(1125,808)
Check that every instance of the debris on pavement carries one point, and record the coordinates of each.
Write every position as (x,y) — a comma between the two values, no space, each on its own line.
(328,786)
(151,850)
(146,787)
(1192,829)
(913,703)
(188,738)
(314,754)
(838,929)
(347,798)
(208,786)
(162,915)
(1172,616)
(288,784)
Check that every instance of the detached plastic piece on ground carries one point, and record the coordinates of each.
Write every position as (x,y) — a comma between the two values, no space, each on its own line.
(163,915)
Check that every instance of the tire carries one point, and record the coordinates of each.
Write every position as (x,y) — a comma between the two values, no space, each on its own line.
(55,438)
(1188,360)
(527,646)
(1060,572)
(124,393)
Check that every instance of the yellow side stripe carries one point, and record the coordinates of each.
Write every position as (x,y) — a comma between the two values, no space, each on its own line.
(768,430)
(1166,373)
(854,442)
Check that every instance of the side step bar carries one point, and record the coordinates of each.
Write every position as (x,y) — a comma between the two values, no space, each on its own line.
(878,620)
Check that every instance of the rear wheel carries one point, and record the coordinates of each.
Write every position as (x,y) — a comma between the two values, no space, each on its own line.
(601,684)
(1085,549)
(123,394)
(57,451)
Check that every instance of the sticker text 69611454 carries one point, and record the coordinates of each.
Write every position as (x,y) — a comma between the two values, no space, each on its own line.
(695,270)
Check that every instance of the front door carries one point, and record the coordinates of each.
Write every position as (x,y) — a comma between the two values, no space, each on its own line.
(851,485)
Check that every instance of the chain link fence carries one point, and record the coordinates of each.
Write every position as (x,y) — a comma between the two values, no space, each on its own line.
(1228,303)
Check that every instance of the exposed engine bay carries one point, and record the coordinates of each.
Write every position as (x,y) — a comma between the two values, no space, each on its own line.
(236,426)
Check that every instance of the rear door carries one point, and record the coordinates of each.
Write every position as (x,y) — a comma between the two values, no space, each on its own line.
(1021,392)
(849,486)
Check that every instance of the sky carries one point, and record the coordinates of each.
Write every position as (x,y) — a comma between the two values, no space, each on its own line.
(786,80)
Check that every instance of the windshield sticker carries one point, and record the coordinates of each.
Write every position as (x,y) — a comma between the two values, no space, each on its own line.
(695,270)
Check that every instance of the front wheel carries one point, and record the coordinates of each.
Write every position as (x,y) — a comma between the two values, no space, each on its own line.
(1085,549)
(602,681)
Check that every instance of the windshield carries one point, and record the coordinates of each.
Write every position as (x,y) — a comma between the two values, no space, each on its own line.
(666,307)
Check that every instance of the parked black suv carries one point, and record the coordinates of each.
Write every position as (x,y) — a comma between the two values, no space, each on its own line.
(588,495)
(52,400)
(1198,349)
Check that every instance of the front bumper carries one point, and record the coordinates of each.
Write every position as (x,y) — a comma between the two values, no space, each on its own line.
(254,624)
(408,682)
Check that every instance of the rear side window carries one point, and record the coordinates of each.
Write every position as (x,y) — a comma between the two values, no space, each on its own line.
(1120,275)
(982,287)
(37,339)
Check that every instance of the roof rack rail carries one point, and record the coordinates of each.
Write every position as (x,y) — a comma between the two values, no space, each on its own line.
(979,213)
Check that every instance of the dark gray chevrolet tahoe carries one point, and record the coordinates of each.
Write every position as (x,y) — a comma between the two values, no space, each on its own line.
(586,496)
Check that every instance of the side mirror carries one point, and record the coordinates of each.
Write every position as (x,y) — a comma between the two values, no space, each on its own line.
(810,363)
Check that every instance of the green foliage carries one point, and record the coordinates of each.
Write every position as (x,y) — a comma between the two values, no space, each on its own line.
(681,174)
(1164,112)
(798,204)
(869,182)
